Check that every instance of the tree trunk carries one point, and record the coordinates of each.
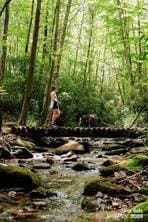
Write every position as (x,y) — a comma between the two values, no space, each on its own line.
(57,53)
(61,43)
(139,62)
(29,29)
(125,39)
(4,6)
(89,47)
(78,44)
(103,68)
(4,47)
(53,61)
(44,42)
(28,90)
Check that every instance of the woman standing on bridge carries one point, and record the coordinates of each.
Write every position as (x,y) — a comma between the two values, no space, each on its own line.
(54,105)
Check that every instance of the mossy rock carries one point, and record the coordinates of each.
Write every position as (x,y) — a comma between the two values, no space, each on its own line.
(15,176)
(70,146)
(113,146)
(110,170)
(137,161)
(23,153)
(139,213)
(104,186)
(24,143)
(89,204)
(81,167)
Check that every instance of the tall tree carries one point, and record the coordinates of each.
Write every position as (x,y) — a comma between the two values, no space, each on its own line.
(125,38)
(29,29)
(4,6)
(53,60)
(29,83)
(61,43)
(4,47)
(79,42)
(58,44)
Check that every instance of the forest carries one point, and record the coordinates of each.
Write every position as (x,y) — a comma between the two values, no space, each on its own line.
(91,164)
(94,52)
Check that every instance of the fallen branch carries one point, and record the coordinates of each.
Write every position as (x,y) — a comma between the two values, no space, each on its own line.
(140,111)
(136,174)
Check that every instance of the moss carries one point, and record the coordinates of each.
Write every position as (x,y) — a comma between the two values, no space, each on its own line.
(104,186)
(109,170)
(15,176)
(81,167)
(139,213)
(25,143)
(89,204)
(137,161)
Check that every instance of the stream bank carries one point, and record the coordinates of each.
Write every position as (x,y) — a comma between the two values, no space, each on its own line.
(66,166)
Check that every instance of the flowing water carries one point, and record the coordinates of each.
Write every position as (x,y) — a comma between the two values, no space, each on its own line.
(68,185)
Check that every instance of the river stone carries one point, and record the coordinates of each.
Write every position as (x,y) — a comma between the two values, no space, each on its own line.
(52,142)
(15,176)
(41,166)
(107,163)
(110,170)
(81,167)
(89,204)
(41,192)
(24,143)
(5,153)
(104,186)
(117,152)
(23,153)
(70,146)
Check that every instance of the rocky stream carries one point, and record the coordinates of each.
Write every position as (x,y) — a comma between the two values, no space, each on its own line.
(55,178)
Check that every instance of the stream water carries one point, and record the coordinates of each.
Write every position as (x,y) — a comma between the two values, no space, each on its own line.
(68,185)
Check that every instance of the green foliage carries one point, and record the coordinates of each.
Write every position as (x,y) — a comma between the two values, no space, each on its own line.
(101,82)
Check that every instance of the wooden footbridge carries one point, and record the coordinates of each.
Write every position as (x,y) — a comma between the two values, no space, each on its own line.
(38,132)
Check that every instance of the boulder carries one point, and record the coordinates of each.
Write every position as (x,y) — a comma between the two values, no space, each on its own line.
(89,204)
(70,146)
(81,167)
(23,153)
(110,170)
(104,186)
(5,153)
(15,176)
(24,143)
(137,161)
(107,163)
(41,192)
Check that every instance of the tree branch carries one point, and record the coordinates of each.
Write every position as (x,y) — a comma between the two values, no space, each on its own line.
(4,6)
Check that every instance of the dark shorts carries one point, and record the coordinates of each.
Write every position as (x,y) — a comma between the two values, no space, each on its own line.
(55,105)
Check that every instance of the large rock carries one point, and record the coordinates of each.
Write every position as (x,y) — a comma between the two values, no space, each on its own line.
(70,146)
(5,153)
(110,170)
(104,186)
(137,161)
(23,153)
(15,176)
(25,143)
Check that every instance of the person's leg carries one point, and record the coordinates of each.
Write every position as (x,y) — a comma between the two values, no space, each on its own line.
(55,115)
